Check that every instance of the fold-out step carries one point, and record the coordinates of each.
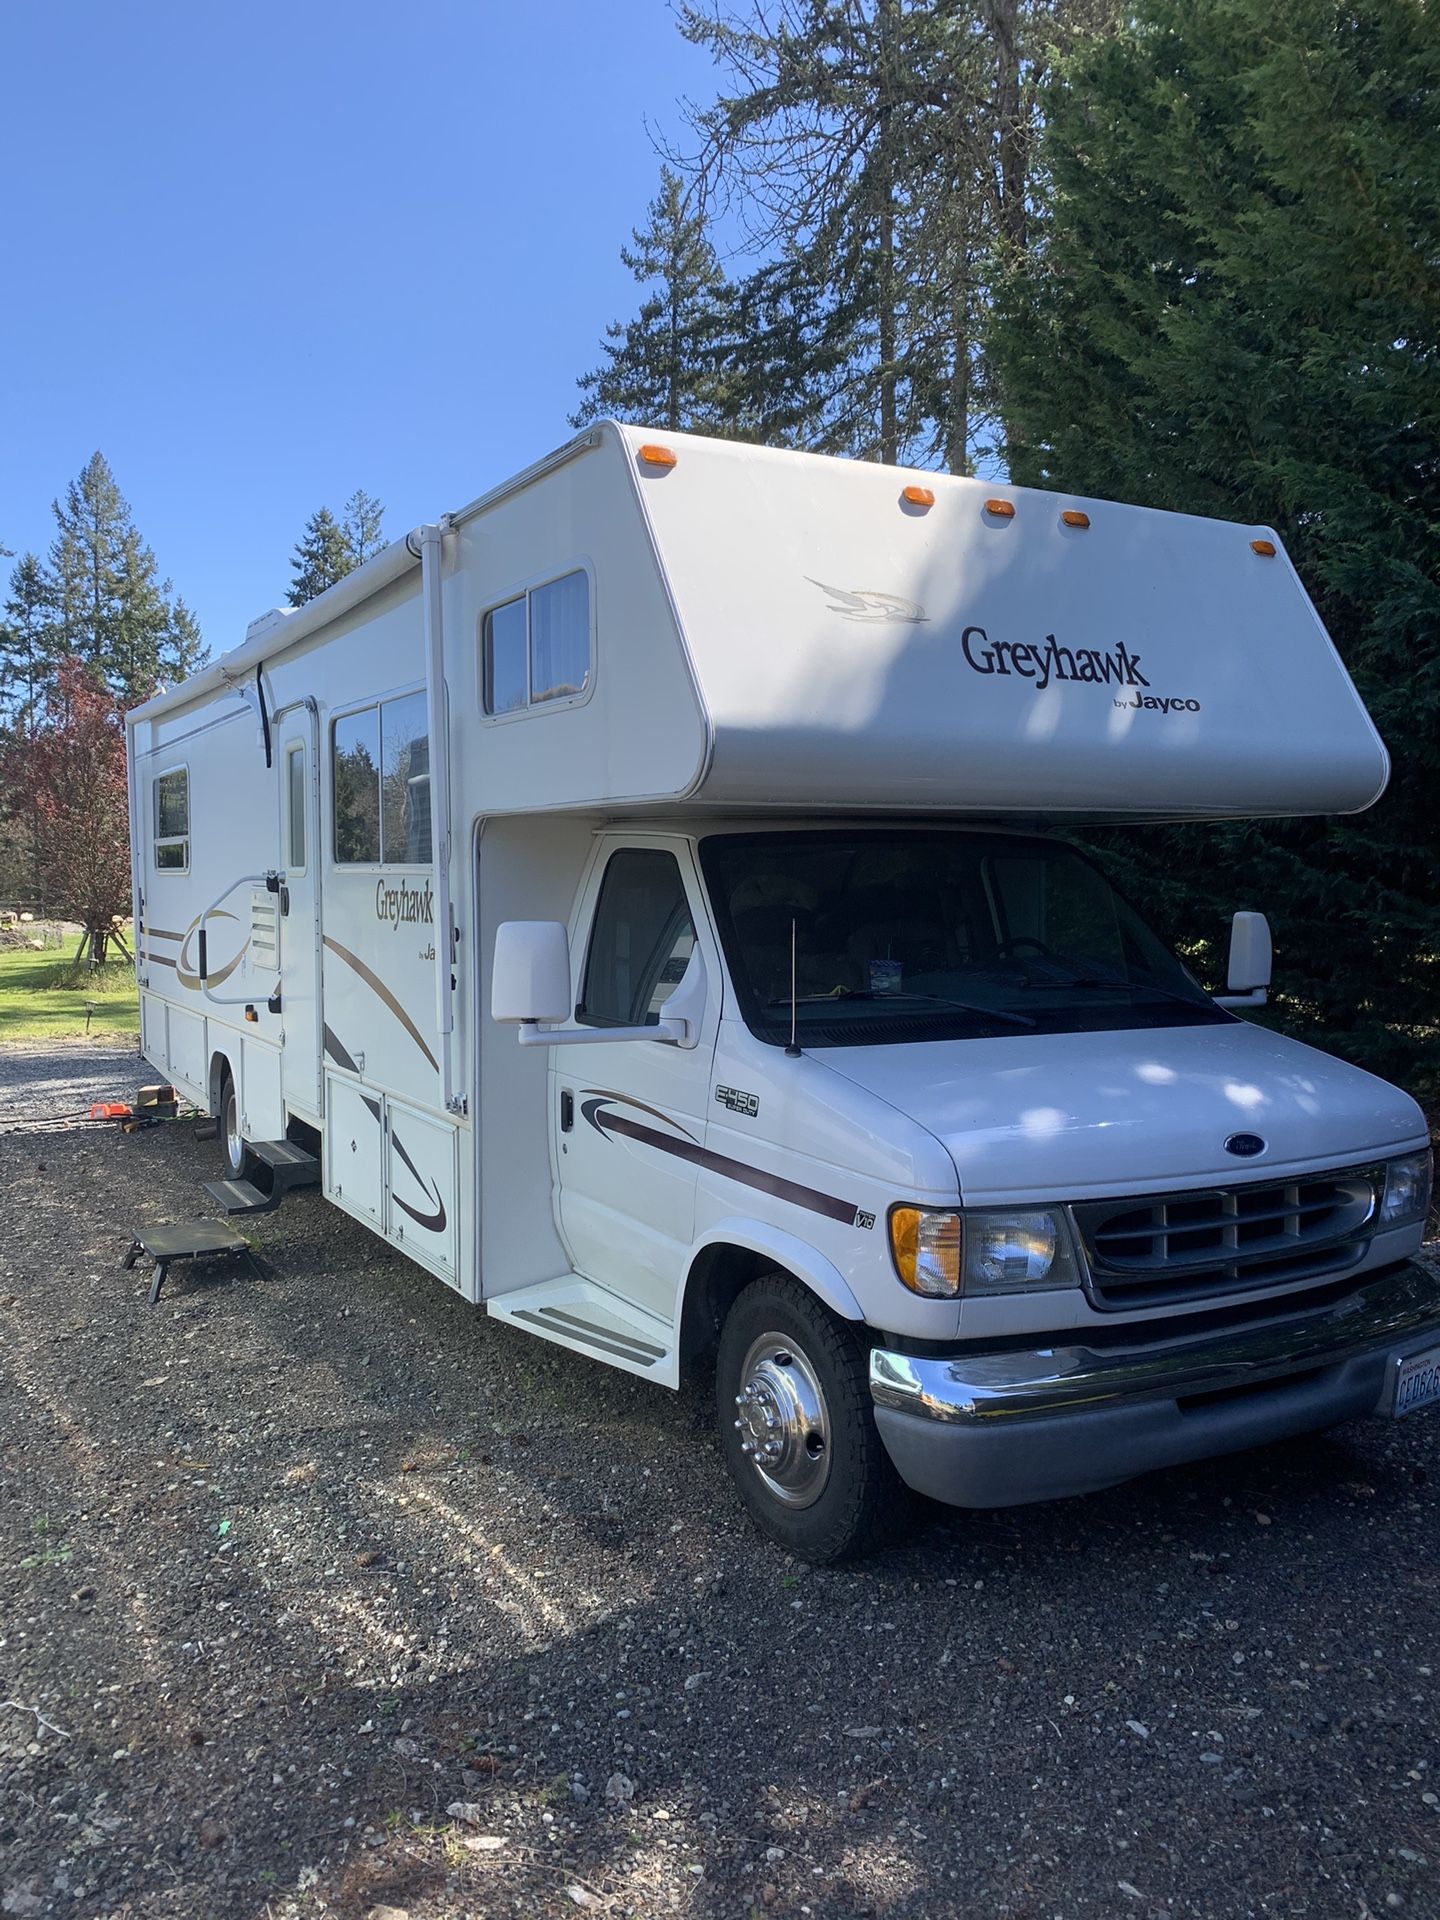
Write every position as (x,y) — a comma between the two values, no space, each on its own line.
(240,1196)
(576,1313)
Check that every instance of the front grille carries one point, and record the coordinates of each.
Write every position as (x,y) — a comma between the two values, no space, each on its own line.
(1169,1248)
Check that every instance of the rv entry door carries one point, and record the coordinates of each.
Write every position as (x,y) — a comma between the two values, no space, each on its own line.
(300,919)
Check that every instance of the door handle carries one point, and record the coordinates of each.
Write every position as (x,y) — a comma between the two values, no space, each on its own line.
(567,1110)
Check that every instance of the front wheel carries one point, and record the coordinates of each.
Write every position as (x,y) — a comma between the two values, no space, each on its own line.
(796,1425)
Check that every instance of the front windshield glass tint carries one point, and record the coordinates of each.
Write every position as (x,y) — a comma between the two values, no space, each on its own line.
(922,935)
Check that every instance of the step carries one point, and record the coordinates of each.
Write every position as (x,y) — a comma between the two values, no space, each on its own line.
(290,1166)
(576,1313)
(240,1196)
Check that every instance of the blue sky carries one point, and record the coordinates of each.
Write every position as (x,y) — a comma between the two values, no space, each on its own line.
(263,255)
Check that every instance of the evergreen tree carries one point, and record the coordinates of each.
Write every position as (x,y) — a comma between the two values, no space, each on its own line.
(109,610)
(881,149)
(1234,311)
(27,648)
(666,367)
(322,557)
(362,527)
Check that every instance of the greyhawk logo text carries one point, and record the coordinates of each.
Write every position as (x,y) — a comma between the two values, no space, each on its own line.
(1118,668)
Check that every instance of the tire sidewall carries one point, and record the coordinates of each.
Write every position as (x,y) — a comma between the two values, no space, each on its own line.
(229,1112)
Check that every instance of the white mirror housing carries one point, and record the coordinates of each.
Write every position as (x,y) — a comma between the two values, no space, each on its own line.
(1248,975)
(1250,953)
(530,980)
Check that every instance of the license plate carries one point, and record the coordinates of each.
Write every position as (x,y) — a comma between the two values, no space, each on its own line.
(1417,1382)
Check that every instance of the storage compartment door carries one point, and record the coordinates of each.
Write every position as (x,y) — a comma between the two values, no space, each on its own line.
(421,1180)
(354,1155)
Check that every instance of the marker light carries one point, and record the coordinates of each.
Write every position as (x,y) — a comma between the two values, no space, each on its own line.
(654,456)
(925,1245)
(1002,509)
(1072,517)
(917,496)
(1265,548)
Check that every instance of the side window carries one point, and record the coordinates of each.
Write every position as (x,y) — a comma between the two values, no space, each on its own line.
(380,772)
(355,773)
(537,646)
(295,808)
(641,942)
(405,782)
(172,820)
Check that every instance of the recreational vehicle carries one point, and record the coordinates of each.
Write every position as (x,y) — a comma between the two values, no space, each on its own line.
(645,892)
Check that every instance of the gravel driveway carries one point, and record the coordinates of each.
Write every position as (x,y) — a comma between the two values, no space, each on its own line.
(62,1077)
(325,1595)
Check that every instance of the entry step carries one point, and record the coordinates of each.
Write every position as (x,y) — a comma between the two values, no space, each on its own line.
(241,1196)
(286,1161)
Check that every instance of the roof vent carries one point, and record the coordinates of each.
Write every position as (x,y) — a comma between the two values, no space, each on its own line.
(269,622)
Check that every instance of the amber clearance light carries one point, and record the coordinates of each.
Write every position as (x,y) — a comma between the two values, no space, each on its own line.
(917,496)
(1072,517)
(1002,509)
(1265,548)
(654,456)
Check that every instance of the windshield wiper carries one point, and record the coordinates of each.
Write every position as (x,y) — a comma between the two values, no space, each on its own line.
(1119,986)
(933,999)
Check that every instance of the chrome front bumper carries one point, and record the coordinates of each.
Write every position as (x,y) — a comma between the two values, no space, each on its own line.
(999,1429)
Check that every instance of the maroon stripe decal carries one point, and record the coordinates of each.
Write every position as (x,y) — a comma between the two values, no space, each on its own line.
(378,987)
(772,1183)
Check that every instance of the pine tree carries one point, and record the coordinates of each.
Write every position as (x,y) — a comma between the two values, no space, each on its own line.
(666,367)
(27,648)
(362,527)
(109,610)
(1234,311)
(880,149)
(322,557)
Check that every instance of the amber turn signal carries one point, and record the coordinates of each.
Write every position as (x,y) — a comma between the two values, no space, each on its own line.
(917,496)
(1002,509)
(1265,548)
(1072,517)
(654,456)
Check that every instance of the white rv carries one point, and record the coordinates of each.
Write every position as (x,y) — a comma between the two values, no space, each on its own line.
(645,892)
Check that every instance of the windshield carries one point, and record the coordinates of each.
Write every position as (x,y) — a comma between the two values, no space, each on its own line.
(904,934)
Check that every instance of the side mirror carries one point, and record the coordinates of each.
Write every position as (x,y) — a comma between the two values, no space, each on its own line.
(1251,956)
(530,981)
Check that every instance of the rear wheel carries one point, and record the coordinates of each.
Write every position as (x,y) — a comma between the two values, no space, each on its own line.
(796,1425)
(232,1142)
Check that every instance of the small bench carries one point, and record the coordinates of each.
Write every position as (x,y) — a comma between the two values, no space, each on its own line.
(186,1240)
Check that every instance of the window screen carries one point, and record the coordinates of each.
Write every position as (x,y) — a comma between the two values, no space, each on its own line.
(641,943)
(538,647)
(405,820)
(355,767)
(295,805)
(172,820)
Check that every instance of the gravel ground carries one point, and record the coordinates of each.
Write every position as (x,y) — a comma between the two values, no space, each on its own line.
(63,1077)
(325,1595)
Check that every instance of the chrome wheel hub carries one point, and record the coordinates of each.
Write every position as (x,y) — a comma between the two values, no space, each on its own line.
(234,1145)
(783,1422)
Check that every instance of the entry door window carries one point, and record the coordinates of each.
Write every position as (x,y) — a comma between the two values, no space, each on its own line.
(295,808)
(642,940)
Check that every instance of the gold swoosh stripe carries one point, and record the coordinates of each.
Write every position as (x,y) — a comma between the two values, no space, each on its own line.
(378,987)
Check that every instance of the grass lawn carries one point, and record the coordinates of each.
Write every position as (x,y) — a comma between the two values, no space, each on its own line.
(36,1005)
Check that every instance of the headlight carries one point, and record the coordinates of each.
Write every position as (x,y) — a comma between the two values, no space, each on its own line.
(1407,1190)
(944,1254)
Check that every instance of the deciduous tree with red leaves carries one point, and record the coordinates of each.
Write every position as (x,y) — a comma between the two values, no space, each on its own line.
(73,775)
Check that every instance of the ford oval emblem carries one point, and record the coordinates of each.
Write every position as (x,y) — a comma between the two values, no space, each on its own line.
(1246,1145)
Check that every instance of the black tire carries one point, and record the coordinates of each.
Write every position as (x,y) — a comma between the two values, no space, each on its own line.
(831,1493)
(232,1147)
